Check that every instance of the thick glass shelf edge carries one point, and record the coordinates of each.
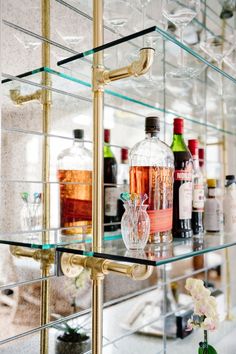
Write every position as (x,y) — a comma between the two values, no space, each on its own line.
(61,240)
(155,254)
(163,33)
(33,73)
(44,69)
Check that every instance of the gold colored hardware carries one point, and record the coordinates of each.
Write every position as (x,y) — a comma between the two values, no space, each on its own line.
(136,68)
(103,267)
(68,268)
(18,99)
(46,102)
(43,256)
(97,194)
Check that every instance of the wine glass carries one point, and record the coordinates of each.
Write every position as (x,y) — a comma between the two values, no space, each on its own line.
(181,13)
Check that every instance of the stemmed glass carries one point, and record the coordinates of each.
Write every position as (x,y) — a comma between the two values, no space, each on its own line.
(216,48)
(181,13)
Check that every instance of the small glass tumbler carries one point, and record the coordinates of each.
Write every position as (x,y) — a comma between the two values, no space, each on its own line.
(135,226)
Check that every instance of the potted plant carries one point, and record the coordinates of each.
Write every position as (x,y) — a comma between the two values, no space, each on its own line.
(73,340)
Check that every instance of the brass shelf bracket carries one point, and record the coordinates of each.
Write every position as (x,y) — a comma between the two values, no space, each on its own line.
(45,257)
(71,265)
(136,68)
(18,99)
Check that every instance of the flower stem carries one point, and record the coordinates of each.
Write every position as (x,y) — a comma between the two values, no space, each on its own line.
(205,351)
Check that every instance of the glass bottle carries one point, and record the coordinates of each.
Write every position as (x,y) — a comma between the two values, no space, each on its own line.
(75,166)
(123,179)
(229,204)
(212,209)
(151,172)
(110,185)
(198,190)
(182,205)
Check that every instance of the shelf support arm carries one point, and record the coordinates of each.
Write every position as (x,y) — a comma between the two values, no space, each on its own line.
(71,265)
(18,99)
(136,68)
(45,257)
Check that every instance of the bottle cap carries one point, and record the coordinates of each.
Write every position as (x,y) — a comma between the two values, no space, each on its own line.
(78,133)
(226,13)
(107,135)
(193,146)
(230,179)
(211,183)
(178,125)
(152,124)
(124,154)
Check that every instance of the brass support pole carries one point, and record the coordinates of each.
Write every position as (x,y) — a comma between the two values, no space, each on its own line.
(46,103)
(98,109)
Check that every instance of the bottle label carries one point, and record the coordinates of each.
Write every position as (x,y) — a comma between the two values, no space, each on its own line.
(198,197)
(185,200)
(212,215)
(111,201)
(160,220)
(183,175)
(75,196)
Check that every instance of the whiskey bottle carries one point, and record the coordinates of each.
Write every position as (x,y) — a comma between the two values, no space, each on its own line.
(75,177)
(151,172)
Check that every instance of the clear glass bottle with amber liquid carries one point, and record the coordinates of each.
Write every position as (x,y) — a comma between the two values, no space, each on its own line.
(151,172)
(110,186)
(75,177)
(182,204)
(198,190)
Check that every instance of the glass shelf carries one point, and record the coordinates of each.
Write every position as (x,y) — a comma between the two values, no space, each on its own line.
(79,88)
(55,238)
(185,97)
(154,254)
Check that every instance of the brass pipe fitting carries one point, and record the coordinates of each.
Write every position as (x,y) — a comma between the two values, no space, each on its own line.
(136,68)
(134,271)
(43,256)
(72,265)
(17,98)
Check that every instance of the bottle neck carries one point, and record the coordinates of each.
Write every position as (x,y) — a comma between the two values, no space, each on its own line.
(149,135)
(107,150)
(196,164)
(178,143)
(78,143)
(211,192)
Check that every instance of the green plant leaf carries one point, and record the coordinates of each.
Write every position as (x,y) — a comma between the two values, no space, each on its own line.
(210,350)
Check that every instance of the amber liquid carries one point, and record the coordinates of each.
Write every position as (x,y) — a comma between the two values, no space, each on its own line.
(157,183)
(75,201)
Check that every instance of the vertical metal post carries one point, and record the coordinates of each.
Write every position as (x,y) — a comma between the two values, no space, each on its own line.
(98,110)
(46,105)
(225,172)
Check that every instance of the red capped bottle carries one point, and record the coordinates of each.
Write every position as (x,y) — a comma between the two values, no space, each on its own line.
(182,203)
